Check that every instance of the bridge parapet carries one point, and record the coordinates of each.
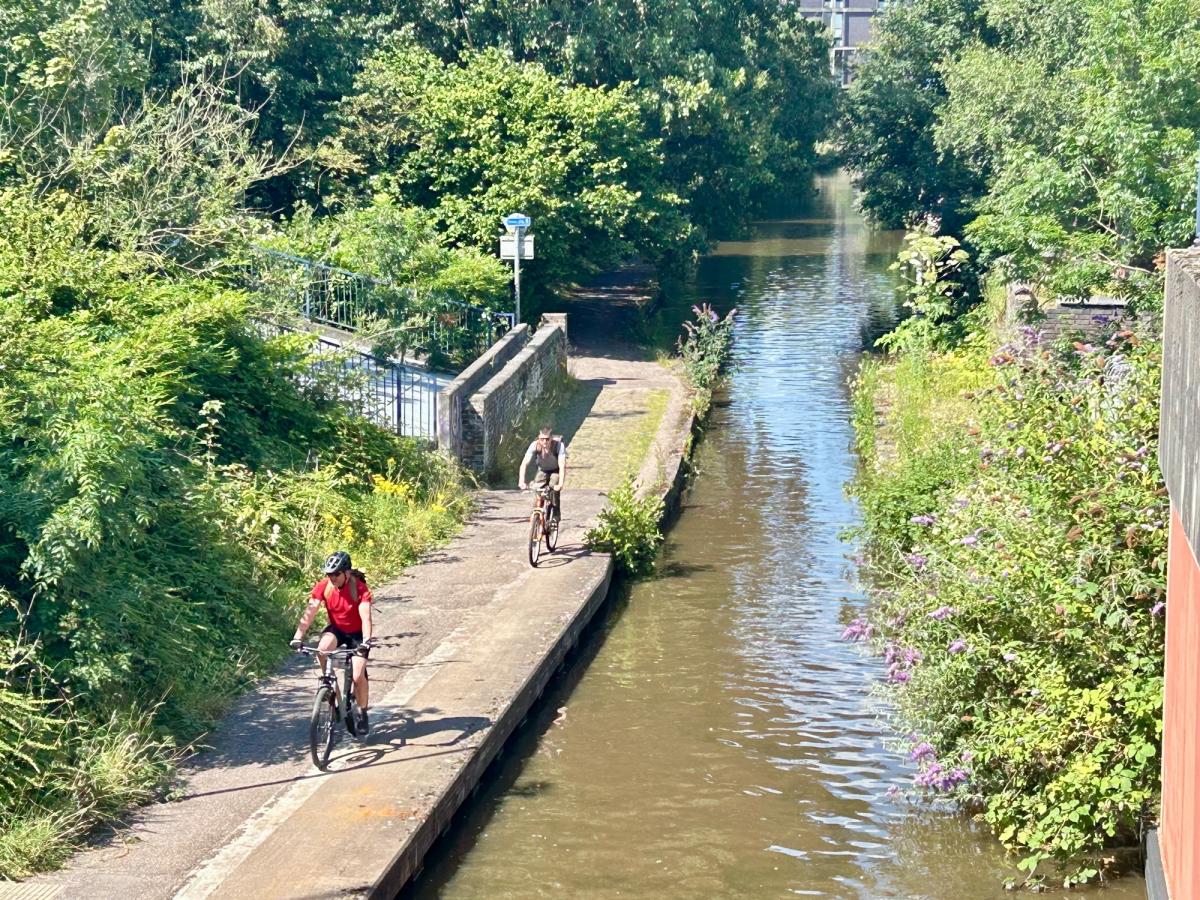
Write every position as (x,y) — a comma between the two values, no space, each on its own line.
(1173,858)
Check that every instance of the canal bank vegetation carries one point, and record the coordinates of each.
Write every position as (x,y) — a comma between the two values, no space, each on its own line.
(169,487)
(1015,525)
(1014,514)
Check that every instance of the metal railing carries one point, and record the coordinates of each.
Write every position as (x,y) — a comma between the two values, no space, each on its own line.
(390,394)
(347,300)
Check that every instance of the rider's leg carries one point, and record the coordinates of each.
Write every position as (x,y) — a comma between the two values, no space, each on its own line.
(327,642)
(362,687)
(557,497)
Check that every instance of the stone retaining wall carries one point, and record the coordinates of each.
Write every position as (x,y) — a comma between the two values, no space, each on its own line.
(493,410)
(452,401)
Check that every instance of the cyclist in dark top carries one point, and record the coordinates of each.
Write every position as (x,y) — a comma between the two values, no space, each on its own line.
(347,600)
(550,453)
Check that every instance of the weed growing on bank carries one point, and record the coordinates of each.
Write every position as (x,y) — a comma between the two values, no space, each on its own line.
(628,529)
(705,348)
(1016,530)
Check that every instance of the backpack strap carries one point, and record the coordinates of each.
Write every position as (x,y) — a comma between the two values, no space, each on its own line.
(329,589)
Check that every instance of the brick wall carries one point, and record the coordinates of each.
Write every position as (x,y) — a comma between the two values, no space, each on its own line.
(494,409)
(452,400)
(1087,317)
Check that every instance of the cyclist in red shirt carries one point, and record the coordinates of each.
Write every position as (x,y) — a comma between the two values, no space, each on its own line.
(347,600)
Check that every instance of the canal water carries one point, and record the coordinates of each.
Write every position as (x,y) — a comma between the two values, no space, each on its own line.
(715,737)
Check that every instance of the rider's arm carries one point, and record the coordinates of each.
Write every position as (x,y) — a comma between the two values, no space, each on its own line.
(525,464)
(364,610)
(310,613)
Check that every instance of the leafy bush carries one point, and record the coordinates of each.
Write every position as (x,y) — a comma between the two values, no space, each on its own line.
(384,240)
(1021,615)
(628,529)
(705,348)
(929,263)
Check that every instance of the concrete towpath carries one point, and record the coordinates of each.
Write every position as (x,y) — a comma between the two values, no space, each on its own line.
(470,637)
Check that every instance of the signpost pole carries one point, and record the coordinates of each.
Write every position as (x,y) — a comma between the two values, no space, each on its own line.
(516,224)
(517,275)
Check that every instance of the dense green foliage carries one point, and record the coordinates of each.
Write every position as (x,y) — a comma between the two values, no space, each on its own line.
(1016,525)
(628,528)
(889,116)
(471,142)
(1065,132)
(157,515)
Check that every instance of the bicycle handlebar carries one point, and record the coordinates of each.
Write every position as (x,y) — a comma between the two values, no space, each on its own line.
(336,653)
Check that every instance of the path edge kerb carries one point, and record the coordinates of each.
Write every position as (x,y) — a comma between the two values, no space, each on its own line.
(408,860)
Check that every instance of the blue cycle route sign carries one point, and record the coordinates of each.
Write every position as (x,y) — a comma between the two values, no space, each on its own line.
(516,220)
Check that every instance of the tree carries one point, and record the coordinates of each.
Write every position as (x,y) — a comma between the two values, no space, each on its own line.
(1089,152)
(887,137)
(475,141)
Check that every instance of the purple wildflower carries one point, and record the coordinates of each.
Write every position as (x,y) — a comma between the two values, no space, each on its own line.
(958,645)
(1157,608)
(1009,657)
(858,630)
(916,560)
(929,776)
(943,612)
(923,750)
(898,676)
(939,778)
(969,541)
(924,519)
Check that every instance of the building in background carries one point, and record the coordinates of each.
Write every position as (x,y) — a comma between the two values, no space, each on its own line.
(850,23)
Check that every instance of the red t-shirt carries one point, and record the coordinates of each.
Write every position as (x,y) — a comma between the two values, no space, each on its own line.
(343,611)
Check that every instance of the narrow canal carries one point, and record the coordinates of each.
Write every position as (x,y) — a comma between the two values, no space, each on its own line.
(716,738)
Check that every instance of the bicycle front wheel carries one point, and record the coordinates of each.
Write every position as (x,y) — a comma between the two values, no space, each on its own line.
(320,726)
(535,538)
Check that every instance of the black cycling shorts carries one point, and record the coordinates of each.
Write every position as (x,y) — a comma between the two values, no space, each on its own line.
(348,639)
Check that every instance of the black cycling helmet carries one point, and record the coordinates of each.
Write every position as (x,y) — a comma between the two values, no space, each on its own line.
(339,561)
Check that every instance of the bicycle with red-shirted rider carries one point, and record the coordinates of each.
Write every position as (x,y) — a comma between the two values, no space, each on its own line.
(346,641)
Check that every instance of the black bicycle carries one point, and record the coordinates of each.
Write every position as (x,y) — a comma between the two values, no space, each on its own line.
(334,702)
(543,523)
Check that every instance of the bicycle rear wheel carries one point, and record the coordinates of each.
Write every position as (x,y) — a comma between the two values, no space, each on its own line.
(535,537)
(552,531)
(320,726)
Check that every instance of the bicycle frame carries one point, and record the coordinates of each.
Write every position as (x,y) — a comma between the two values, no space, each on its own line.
(342,690)
(338,658)
(543,505)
